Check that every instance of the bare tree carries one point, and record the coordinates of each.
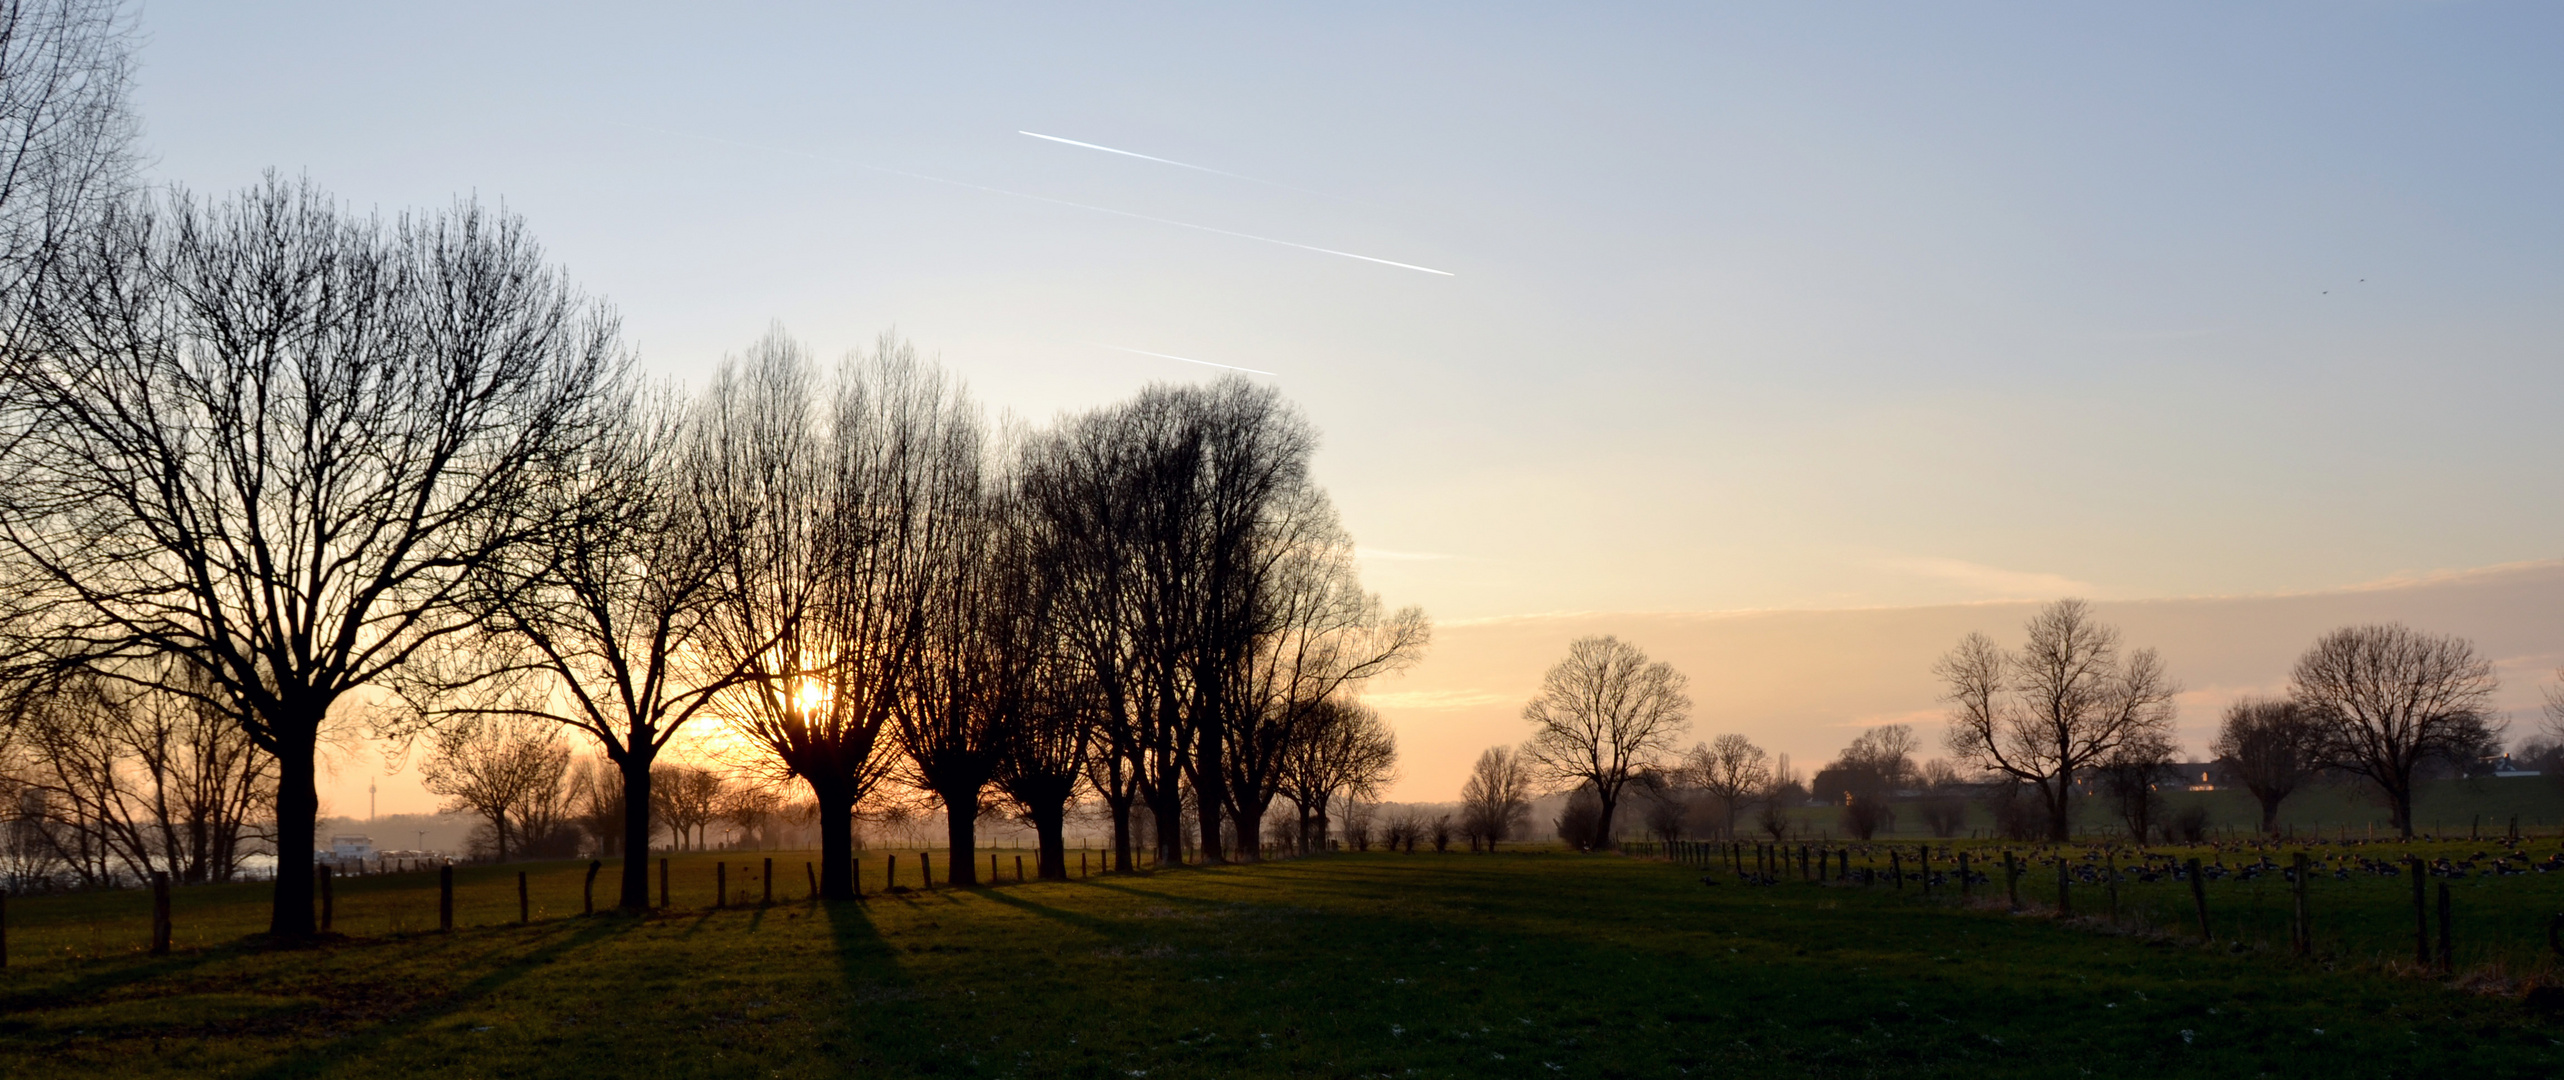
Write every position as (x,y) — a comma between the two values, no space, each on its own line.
(1359,815)
(2384,699)
(1176,516)
(508,771)
(1495,803)
(1604,713)
(1346,753)
(971,682)
(275,440)
(2270,746)
(2131,773)
(66,68)
(1665,800)
(1732,769)
(2060,705)
(1317,638)
(140,780)
(834,505)
(752,811)
(1042,763)
(1875,767)
(690,800)
(1074,484)
(597,794)
(606,612)
(1943,809)
(1773,801)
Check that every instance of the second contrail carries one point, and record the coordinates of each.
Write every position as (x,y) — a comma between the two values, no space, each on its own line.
(1142,157)
(1043,198)
(1171,356)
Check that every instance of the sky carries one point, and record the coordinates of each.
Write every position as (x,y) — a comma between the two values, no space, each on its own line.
(1746,308)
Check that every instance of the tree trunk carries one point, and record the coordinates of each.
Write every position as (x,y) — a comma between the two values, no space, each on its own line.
(836,841)
(1168,809)
(2059,807)
(1050,845)
(635,890)
(1210,797)
(1121,834)
(297,808)
(961,835)
(1250,837)
(1610,801)
(2270,815)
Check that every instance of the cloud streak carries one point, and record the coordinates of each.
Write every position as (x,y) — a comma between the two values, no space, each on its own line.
(1171,356)
(1036,198)
(1142,157)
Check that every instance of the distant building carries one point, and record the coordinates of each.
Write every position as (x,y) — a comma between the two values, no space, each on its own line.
(345,848)
(2197,776)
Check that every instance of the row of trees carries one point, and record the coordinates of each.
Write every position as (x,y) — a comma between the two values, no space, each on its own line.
(2070,712)
(532,799)
(310,471)
(2379,703)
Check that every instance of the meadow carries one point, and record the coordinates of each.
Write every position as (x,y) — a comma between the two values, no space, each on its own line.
(1535,963)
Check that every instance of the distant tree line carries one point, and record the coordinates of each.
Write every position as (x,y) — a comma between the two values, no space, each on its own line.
(286,473)
(2070,714)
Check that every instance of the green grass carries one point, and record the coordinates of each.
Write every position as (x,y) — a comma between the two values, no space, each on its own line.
(1514,965)
(2340,809)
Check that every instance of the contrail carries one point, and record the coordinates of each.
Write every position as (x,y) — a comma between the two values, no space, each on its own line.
(1142,157)
(1037,198)
(1168,356)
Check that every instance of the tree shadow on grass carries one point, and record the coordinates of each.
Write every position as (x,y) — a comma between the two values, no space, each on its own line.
(1056,914)
(1167,897)
(89,986)
(859,945)
(316,1061)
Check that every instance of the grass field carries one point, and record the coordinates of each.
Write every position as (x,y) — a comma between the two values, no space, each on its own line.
(1529,964)
(2331,808)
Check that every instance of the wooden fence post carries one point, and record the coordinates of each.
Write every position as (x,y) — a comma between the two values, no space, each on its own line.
(2110,884)
(926,869)
(769,878)
(159,913)
(2421,915)
(813,872)
(328,898)
(1896,870)
(587,895)
(2011,880)
(890,875)
(992,868)
(1923,866)
(1845,854)
(2301,918)
(2447,945)
(1967,886)
(2199,899)
(1081,863)
(663,881)
(721,884)
(4,928)
(1019,869)
(524,906)
(445,897)
(2065,900)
